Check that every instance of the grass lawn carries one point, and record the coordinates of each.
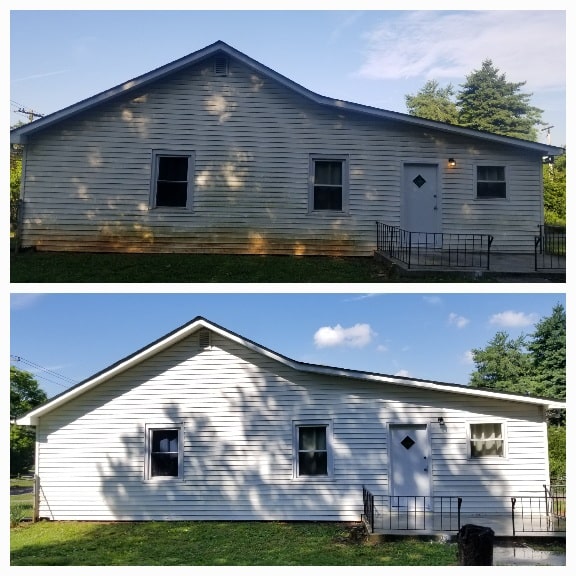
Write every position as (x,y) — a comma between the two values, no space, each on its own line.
(41,267)
(21,498)
(213,544)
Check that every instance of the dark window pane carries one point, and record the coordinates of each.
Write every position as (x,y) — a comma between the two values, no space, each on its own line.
(173,168)
(491,190)
(313,463)
(493,173)
(164,453)
(328,173)
(165,441)
(327,198)
(164,464)
(171,194)
(312,438)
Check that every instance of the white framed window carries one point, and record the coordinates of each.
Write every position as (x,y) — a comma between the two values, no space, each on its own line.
(490,182)
(487,440)
(172,179)
(164,451)
(312,449)
(328,189)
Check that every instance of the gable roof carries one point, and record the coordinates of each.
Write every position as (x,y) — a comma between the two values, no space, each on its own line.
(219,48)
(32,417)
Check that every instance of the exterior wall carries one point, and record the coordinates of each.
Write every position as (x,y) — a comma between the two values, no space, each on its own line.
(87,184)
(237,409)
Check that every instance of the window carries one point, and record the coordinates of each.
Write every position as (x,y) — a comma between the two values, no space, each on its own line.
(486,440)
(164,451)
(328,184)
(172,179)
(312,449)
(490,182)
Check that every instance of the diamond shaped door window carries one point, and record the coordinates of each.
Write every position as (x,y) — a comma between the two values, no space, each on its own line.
(419,181)
(408,442)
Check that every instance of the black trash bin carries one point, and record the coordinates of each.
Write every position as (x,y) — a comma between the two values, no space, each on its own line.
(475,545)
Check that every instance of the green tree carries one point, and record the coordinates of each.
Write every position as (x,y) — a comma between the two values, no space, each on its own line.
(433,103)
(547,348)
(487,101)
(503,365)
(25,394)
(15,177)
(555,192)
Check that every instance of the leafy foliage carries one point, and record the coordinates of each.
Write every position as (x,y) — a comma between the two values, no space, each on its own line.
(25,394)
(529,365)
(555,192)
(15,178)
(557,451)
(434,103)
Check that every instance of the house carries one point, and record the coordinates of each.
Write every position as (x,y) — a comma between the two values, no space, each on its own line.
(217,153)
(204,424)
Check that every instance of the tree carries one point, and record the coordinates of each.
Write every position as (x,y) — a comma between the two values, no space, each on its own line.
(503,365)
(433,103)
(25,394)
(489,102)
(548,354)
(555,192)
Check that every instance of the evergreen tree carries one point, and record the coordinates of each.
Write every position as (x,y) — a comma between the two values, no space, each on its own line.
(503,365)
(489,102)
(433,103)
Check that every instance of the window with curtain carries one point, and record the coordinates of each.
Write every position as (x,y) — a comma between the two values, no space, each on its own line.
(486,440)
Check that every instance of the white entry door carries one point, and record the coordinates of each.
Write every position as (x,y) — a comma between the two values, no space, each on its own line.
(421,201)
(410,462)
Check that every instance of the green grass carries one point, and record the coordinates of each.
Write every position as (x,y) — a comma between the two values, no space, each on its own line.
(21,505)
(212,544)
(29,266)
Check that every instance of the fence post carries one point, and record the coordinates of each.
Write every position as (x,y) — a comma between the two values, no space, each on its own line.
(513,524)
(36,505)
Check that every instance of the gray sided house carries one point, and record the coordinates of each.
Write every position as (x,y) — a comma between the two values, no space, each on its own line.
(204,424)
(216,153)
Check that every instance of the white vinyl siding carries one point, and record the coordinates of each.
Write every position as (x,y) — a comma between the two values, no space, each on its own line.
(87,184)
(237,411)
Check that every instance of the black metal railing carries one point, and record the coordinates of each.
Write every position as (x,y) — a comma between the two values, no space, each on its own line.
(538,513)
(417,513)
(434,249)
(550,248)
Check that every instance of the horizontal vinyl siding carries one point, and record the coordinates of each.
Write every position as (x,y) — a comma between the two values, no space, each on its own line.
(237,410)
(87,181)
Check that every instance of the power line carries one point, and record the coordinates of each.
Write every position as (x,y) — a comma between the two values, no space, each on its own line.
(69,381)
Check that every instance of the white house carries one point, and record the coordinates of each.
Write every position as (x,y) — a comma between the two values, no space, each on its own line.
(217,153)
(203,424)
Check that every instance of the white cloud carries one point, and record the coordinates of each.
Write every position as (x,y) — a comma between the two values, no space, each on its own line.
(21,301)
(356,336)
(434,300)
(403,373)
(511,319)
(382,348)
(458,321)
(467,357)
(525,45)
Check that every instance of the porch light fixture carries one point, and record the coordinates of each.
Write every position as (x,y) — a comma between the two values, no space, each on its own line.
(547,159)
(441,420)
(451,162)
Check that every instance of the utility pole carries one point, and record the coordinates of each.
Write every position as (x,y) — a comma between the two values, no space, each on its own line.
(31,114)
(548,136)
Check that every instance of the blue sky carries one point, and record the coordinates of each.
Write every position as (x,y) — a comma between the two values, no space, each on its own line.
(372,57)
(427,336)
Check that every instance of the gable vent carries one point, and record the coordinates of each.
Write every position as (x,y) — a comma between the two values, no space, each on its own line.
(221,66)
(204,339)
